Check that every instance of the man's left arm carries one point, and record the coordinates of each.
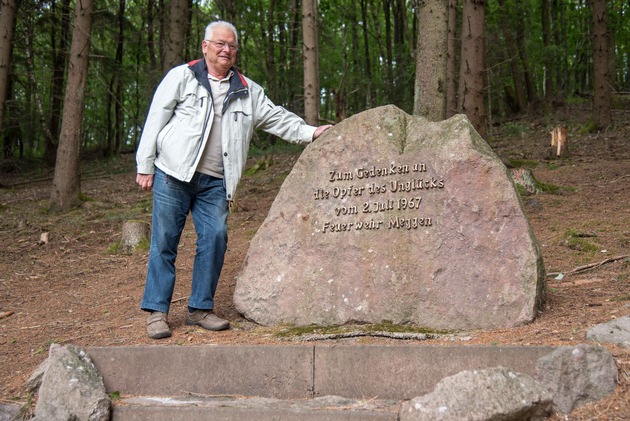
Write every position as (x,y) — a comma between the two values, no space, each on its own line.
(281,122)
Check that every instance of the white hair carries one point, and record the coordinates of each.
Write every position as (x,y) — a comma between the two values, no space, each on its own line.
(220,23)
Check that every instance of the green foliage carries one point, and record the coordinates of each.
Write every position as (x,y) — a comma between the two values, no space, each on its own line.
(514,129)
(588,127)
(276,148)
(366,59)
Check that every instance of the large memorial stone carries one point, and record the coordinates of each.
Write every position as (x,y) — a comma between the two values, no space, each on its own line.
(389,217)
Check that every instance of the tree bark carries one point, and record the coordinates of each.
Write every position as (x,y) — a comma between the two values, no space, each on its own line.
(228,10)
(60,52)
(548,60)
(311,62)
(175,37)
(431,60)
(389,58)
(601,70)
(151,34)
(521,40)
(67,181)
(369,95)
(472,67)
(451,65)
(118,88)
(514,60)
(8,10)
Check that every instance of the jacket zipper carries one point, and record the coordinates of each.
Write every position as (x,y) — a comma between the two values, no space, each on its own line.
(205,125)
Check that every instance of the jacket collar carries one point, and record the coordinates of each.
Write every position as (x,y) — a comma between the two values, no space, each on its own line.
(200,70)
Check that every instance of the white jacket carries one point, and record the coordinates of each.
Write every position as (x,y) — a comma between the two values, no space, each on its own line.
(180,118)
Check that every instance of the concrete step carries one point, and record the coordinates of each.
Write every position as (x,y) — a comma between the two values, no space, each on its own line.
(225,408)
(278,382)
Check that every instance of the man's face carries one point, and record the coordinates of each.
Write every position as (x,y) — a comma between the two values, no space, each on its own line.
(219,52)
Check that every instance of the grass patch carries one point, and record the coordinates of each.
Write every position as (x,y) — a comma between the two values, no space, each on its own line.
(384,326)
(588,127)
(46,346)
(143,245)
(526,163)
(578,241)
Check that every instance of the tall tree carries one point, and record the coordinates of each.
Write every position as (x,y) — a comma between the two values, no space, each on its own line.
(8,10)
(115,135)
(451,74)
(175,36)
(227,9)
(67,180)
(369,96)
(519,102)
(472,66)
(311,61)
(59,41)
(431,60)
(601,70)
(521,42)
(548,60)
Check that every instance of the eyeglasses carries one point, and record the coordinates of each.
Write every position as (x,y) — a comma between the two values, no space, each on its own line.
(222,44)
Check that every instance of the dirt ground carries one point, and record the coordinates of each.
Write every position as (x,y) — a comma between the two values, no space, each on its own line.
(74,289)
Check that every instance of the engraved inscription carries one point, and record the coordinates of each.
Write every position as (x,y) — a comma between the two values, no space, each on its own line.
(393,195)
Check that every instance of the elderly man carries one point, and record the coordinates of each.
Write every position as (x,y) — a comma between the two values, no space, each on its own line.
(192,153)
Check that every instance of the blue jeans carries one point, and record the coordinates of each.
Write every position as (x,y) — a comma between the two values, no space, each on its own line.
(204,197)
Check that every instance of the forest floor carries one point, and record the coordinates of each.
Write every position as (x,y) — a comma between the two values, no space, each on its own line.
(74,288)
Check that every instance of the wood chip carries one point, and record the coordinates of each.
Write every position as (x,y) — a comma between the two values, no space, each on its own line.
(4,314)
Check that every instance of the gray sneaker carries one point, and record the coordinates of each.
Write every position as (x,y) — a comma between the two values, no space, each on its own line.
(157,325)
(207,320)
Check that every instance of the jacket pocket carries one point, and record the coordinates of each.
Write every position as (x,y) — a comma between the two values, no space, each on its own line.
(192,103)
(240,117)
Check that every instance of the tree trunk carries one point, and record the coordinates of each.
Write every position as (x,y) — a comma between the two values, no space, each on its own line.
(228,10)
(520,100)
(151,34)
(431,60)
(66,181)
(270,41)
(451,64)
(8,10)
(601,70)
(175,37)
(369,96)
(389,58)
(60,52)
(548,60)
(33,84)
(294,55)
(311,62)
(118,88)
(521,41)
(471,76)
(402,55)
